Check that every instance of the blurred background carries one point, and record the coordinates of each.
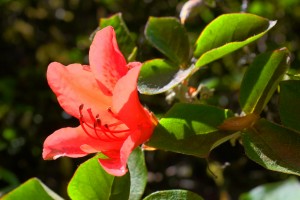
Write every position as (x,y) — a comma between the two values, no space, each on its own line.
(34,33)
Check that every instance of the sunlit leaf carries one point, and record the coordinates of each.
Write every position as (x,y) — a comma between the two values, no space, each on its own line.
(173,194)
(158,75)
(169,36)
(125,41)
(138,174)
(191,129)
(287,190)
(289,103)
(273,146)
(90,181)
(261,80)
(32,189)
(228,33)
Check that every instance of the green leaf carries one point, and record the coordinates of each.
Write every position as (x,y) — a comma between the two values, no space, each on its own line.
(158,75)
(120,188)
(289,103)
(125,41)
(190,129)
(287,190)
(138,174)
(9,178)
(169,36)
(273,146)
(90,181)
(261,80)
(228,33)
(32,189)
(173,194)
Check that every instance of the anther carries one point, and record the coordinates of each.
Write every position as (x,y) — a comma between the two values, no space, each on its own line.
(111,112)
(80,110)
(81,107)
(98,122)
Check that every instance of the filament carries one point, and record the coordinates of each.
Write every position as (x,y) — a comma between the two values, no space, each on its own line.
(97,126)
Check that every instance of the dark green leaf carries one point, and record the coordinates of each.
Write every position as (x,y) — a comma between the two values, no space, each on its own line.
(261,80)
(190,129)
(120,188)
(138,174)
(32,189)
(125,41)
(160,75)
(287,190)
(289,103)
(173,195)
(8,177)
(90,181)
(169,36)
(273,146)
(228,33)
(211,3)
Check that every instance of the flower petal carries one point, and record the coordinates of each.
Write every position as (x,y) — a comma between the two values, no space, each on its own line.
(64,142)
(116,164)
(74,85)
(74,142)
(106,60)
(125,100)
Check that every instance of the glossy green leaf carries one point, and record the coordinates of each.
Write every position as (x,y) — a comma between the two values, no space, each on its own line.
(191,129)
(138,174)
(32,189)
(228,33)
(173,194)
(287,190)
(169,36)
(273,146)
(261,80)
(90,181)
(158,75)
(125,41)
(289,103)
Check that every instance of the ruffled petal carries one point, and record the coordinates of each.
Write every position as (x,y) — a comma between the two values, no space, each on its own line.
(125,100)
(74,85)
(74,142)
(106,60)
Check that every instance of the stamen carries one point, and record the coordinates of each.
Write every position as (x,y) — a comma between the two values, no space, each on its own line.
(98,122)
(114,124)
(95,129)
(89,110)
(115,131)
(82,122)
(111,112)
(80,107)
(97,126)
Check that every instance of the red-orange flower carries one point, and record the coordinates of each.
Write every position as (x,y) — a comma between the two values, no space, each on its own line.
(103,97)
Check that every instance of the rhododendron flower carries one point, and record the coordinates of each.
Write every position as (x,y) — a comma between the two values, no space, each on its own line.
(103,97)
